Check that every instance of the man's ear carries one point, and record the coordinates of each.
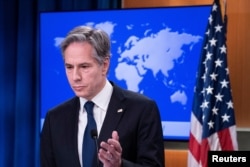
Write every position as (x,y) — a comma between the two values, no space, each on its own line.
(106,64)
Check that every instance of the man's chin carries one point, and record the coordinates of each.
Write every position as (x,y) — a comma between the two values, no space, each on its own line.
(79,94)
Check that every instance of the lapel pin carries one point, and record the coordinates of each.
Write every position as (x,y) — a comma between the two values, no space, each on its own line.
(120,110)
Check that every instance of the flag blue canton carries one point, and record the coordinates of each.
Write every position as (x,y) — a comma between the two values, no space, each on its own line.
(213,105)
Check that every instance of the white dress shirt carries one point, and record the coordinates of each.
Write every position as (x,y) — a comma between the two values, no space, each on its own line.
(101,101)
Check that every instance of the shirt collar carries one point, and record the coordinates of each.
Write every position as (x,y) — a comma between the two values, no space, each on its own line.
(102,98)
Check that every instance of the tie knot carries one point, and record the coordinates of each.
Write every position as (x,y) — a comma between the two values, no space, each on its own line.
(89,107)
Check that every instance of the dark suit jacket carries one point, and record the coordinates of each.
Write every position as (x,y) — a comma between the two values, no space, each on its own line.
(138,126)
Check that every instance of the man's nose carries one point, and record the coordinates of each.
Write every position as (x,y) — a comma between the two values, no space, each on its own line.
(76,74)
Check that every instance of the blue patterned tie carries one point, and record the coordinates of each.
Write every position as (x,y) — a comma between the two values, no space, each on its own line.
(89,155)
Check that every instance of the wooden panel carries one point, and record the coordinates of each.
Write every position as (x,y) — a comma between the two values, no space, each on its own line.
(158,3)
(238,58)
(238,38)
(176,158)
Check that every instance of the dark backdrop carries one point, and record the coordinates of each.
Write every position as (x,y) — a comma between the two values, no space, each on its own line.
(19,70)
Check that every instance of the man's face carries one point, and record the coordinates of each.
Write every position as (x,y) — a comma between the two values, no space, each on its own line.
(85,75)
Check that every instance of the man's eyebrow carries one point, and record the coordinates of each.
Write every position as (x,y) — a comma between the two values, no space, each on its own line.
(80,64)
(67,64)
(85,63)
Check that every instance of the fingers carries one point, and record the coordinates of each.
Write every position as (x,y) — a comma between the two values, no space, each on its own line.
(114,145)
(111,151)
(109,146)
(107,156)
(115,135)
(114,142)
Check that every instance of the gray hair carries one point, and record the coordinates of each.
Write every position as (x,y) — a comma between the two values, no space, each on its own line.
(99,39)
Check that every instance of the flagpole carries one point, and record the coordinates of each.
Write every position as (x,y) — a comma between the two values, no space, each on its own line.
(223,10)
(225,7)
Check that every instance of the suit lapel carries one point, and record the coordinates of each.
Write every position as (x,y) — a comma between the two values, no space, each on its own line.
(74,108)
(115,112)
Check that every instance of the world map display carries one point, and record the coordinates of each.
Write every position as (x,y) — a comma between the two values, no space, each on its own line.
(154,56)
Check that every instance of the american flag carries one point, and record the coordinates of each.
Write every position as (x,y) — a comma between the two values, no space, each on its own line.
(212,118)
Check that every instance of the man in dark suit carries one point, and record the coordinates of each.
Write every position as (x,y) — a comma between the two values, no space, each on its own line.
(128,124)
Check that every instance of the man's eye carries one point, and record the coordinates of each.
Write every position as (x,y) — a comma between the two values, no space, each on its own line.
(69,67)
(84,66)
